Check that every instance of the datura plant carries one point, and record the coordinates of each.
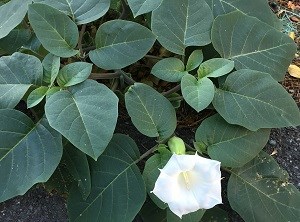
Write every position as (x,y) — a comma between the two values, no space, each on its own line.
(68,67)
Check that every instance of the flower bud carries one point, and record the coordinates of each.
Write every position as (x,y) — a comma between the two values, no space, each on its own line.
(176,145)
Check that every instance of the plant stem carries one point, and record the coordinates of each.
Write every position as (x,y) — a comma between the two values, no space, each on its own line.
(147,153)
(80,39)
(105,75)
(153,57)
(87,49)
(127,79)
(125,10)
(173,90)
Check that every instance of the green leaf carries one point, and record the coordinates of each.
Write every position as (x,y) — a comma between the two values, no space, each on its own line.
(12,13)
(81,11)
(139,7)
(78,166)
(151,173)
(215,214)
(150,213)
(60,35)
(169,69)
(182,23)
(215,67)
(232,145)
(17,73)
(29,153)
(121,43)
(86,114)
(252,44)
(118,190)
(191,217)
(255,100)
(15,40)
(36,96)
(51,64)
(256,8)
(74,73)
(260,191)
(197,93)
(151,113)
(194,60)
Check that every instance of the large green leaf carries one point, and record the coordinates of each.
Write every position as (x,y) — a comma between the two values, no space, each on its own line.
(36,96)
(120,43)
(215,214)
(232,145)
(139,7)
(81,11)
(29,153)
(181,23)
(151,173)
(12,13)
(197,93)
(15,40)
(17,73)
(256,8)
(252,44)
(86,114)
(255,100)
(56,31)
(74,73)
(169,69)
(191,217)
(78,166)
(150,213)
(151,113)
(260,191)
(118,190)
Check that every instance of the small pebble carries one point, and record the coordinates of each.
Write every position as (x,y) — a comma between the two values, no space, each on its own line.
(272,142)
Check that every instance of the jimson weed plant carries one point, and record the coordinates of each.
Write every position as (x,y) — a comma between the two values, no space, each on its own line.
(74,62)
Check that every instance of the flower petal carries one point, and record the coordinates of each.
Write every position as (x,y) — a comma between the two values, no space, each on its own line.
(179,163)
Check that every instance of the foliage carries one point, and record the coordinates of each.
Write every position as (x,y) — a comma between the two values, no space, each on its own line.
(75,63)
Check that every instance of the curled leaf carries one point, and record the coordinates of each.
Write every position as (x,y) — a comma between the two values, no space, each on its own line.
(294,71)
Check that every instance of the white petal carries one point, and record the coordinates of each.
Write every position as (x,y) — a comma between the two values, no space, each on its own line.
(209,169)
(184,201)
(165,187)
(179,163)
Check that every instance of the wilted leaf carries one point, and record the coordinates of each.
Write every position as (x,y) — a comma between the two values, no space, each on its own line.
(294,71)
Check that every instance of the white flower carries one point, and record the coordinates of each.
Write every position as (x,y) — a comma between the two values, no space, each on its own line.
(188,183)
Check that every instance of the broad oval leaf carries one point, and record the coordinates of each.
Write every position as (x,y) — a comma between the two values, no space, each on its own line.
(51,64)
(182,23)
(169,69)
(255,100)
(118,190)
(77,164)
(12,13)
(60,35)
(36,96)
(15,40)
(252,44)
(86,114)
(197,93)
(120,43)
(151,173)
(139,7)
(81,11)
(74,73)
(260,191)
(191,217)
(29,153)
(17,73)
(215,214)
(215,67)
(256,8)
(195,59)
(151,113)
(232,145)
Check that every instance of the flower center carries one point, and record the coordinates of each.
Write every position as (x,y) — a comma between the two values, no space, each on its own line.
(186,179)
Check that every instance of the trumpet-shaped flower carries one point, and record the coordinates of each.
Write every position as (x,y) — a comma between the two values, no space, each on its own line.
(188,183)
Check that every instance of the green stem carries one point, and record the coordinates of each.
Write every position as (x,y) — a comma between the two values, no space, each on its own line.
(80,40)
(153,57)
(147,153)
(105,75)
(173,90)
